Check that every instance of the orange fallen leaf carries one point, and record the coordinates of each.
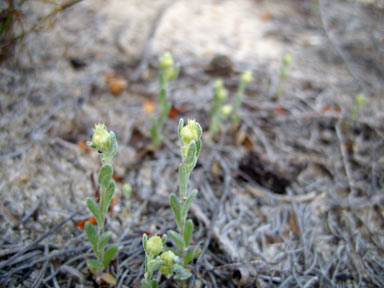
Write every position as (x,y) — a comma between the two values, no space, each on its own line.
(281,111)
(82,223)
(113,202)
(174,112)
(83,146)
(115,83)
(337,109)
(149,106)
(266,15)
(326,108)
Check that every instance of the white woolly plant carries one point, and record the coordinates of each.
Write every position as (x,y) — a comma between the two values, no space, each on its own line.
(105,142)
(174,263)
(168,72)
(219,111)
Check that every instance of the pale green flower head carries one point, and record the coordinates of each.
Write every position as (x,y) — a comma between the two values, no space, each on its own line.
(101,138)
(287,59)
(360,99)
(226,109)
(190,132)
(166,61)
(246,77)
(168,258)
(154,245)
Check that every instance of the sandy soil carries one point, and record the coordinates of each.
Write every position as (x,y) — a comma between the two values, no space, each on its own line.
(292,197)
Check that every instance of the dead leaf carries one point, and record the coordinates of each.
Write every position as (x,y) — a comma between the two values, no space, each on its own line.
(115,83)
(293,224)
(149,106)
(174,112)
(83,146)
(243,139)
(24,178)
(82,223)
(108,278)
(113,202)
(215,169)
(281,111)
(266,15)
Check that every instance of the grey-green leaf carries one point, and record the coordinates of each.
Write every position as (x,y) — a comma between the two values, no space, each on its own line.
(198,148)
(187,204)
(181,125)
(180,273)
(103,240)
(95,264)
(177,238)
(109,254)
(175,205)
(105,175)
(147,283)
(92,206)
(113,149)
(191,154)
(188,229)
(183,179)
(144,240)
(108,195)
(154,265)
(191,254)
(92,235)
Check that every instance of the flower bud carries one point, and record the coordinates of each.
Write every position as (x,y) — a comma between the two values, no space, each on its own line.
(222,94)
(226,109)
(246,77)
(168,258)
(154,245)
(101,138)
(190,132)
(166,61)
(287,59)
(360,99)
(166,270)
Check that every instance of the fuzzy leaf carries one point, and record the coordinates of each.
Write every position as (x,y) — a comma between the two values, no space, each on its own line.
(180,273)
(109,254)
(188,229)
(154,265)
(187,204)
(191,254)
(108,195)
(175,205)
(198,148)
(113,149)
(181,125)
(146,283)
(177,238)
(144,240)
(183,179)
(105,175)
(92,206)
(92,235)
(95,264)
(103,240)
(191,154)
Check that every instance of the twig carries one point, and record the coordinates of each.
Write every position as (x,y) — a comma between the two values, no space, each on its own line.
(37,241)
(263,193)
(344,157)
